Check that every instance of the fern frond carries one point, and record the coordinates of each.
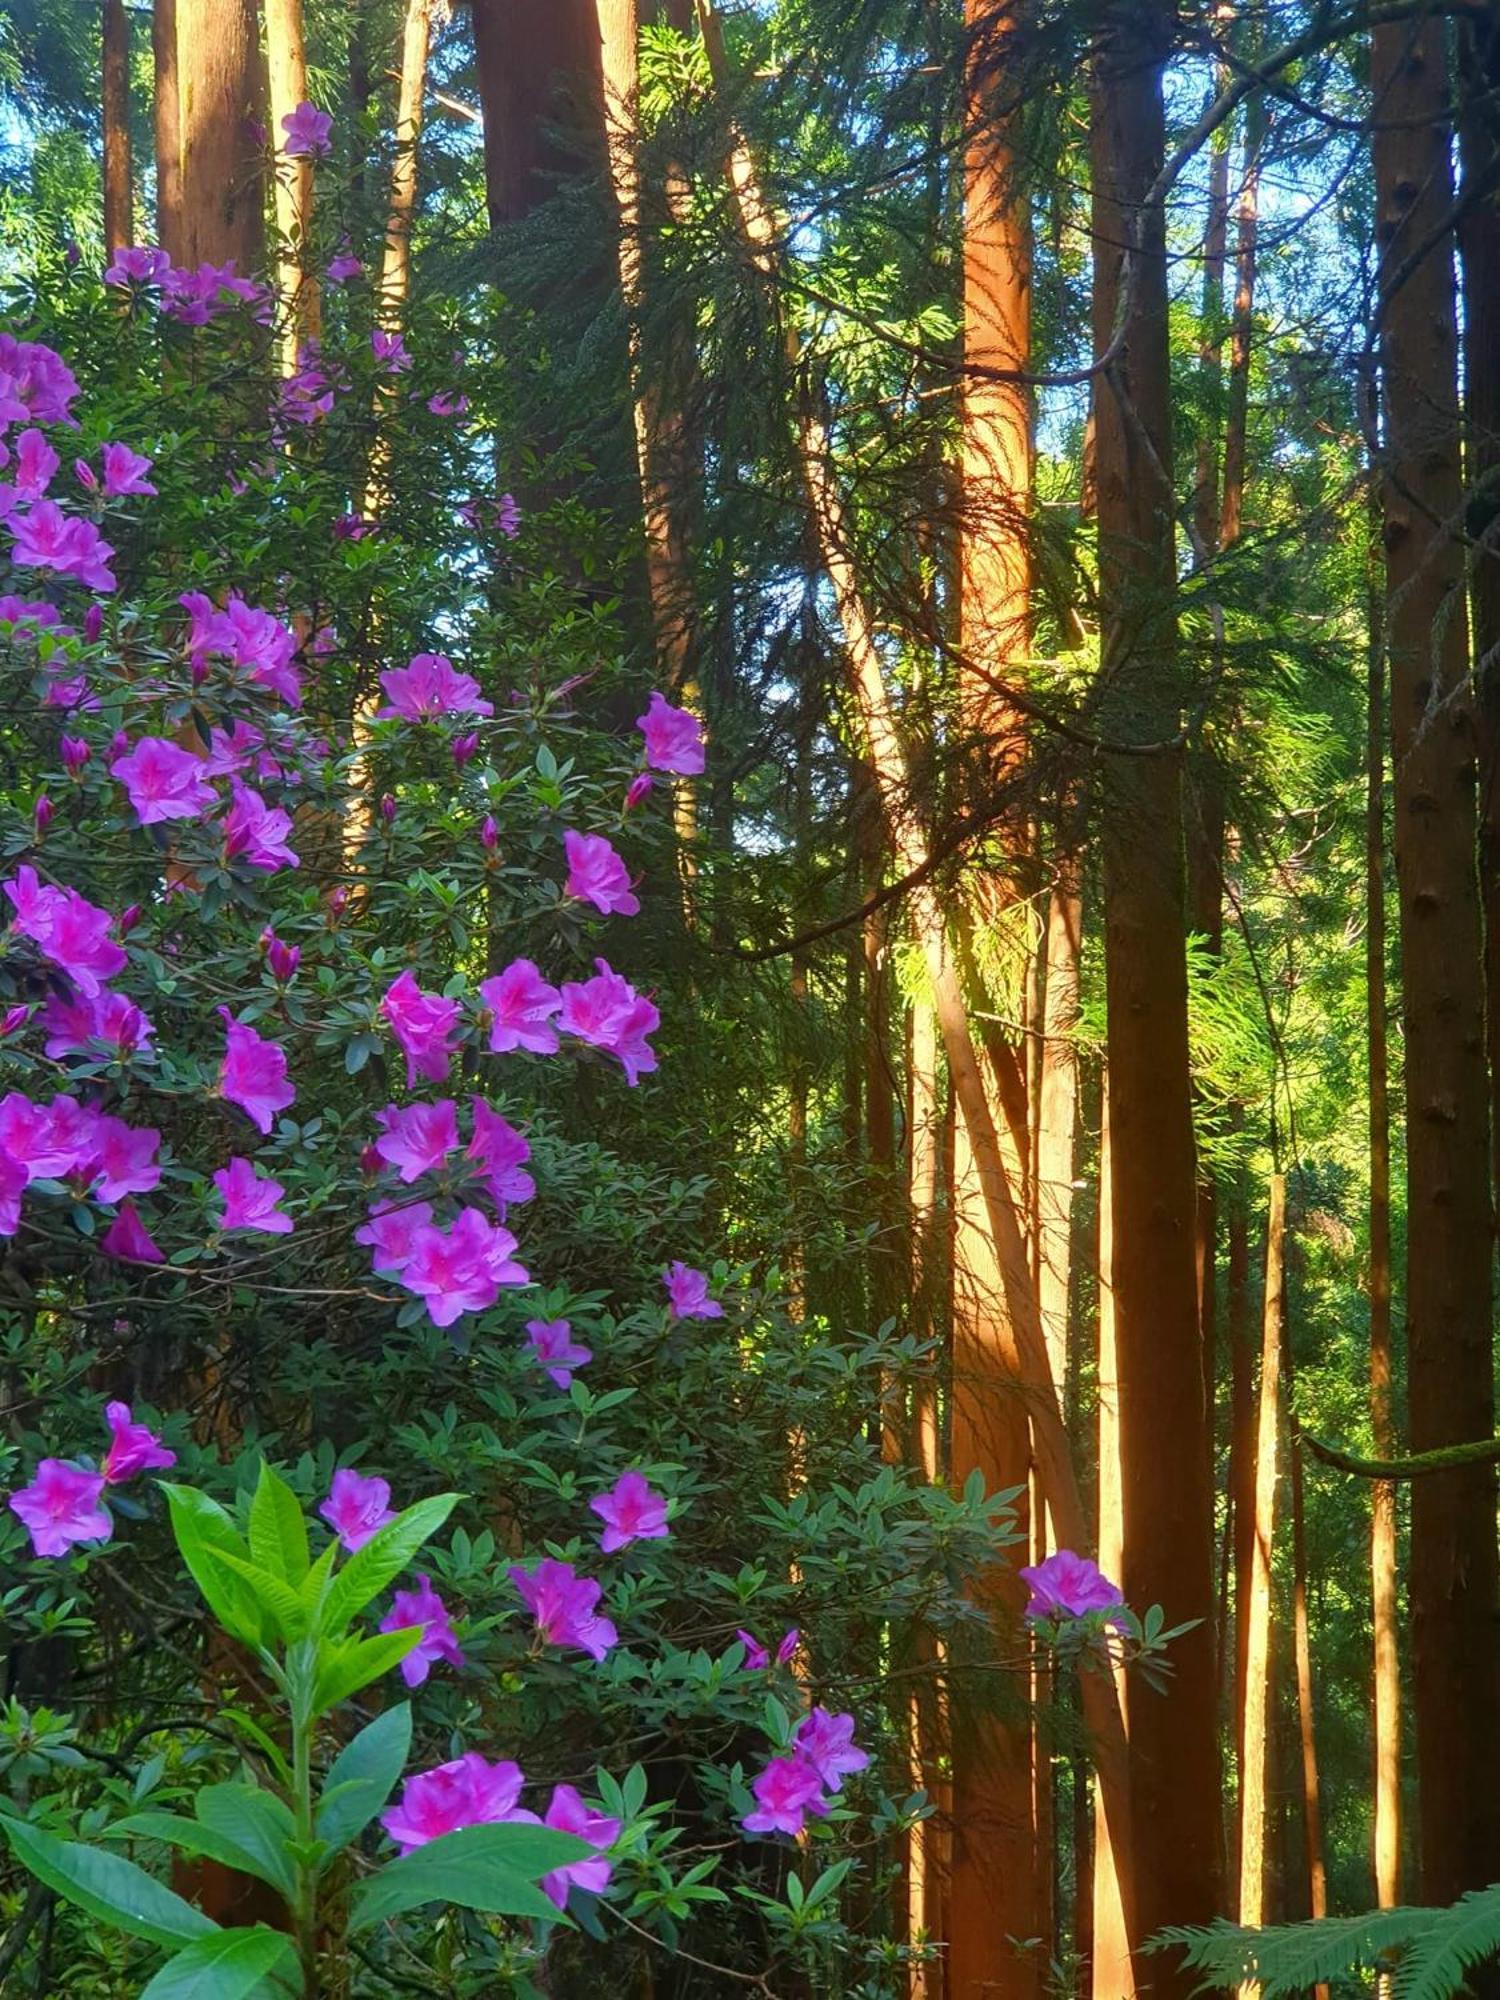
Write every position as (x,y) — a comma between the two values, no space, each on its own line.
(1290,1959)
(1460,1938)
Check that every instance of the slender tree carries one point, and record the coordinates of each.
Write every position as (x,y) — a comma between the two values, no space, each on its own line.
(210,178)
(286,68)
(1255,1788)
(119,227)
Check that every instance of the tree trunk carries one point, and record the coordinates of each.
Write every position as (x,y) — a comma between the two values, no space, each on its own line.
(1242,328)
(1057,1107)
(286,63)
(210,178)
(114,99)
(540,88)
(1312,1804)
(1241,1472)
(1449,1210)
(1253,1906)
(1167,1500)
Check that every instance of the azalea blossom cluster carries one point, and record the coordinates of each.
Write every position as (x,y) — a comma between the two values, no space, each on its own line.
(1068,1586)
(192,297)
(803,1779)
(64,1502)
(38,388)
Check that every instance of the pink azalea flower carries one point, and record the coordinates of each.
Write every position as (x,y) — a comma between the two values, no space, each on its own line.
(46,538)
(35,382)
(139,264)
(123,1158)
(164,781)
(389,350)
(787,1790)
(65,928)
(75,752)
(423,1607)
(757,1659)
(417,1139)
(609,1014)
(229,751)
(569,1813)
(128,1239)
(33,469)
(674,739)
(521,1006)
(106,1023)
(308,133)
(827,1742)
(282,959)
(500,1152)
(133,1448)
(640,787)
(562,1603)
(1069,1586)
(392,1232)
(356,1507)
(257,832)
(553,1345)
(462,1268)
(250,1199)
(469,1791)
(343,267)
(61,1506)
(124,471)
(425,1026)
(13,1181)
(448,403)
(260,644)
(44,1140)
(687,1290)
(631,1512)
(597,875)
(790,1640)
(429,687)
(253,1073)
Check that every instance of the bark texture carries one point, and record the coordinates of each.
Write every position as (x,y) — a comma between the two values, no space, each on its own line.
(119,227)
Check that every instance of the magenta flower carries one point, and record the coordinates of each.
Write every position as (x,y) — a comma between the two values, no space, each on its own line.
(65,928)
(33,468)
(46,538)
(229,751)
(462,1268)
(687,1290)
(640,787)
(356,1507)
(13,1180)
(466,1792)
(1069,1586)
(417,1139)
(448,403)
(389,350)
(256,832)
(423,1607)
(569,1813)
(47,1141)
(250,1199)
(562,1603)
(631,1512)
(609,1014)
(343,267)
(489,838)
(430,687)
(76,753)
(122,1158)
(553,1345)
(827,1742)
(250,639)
(786,1791)
(35,382)
(129,1240)
(133,1448)
(164,781)
(425,1026)
(308,133)
(757,1659)
(791,1639)
(61,1506)
(139,264)
(674,739)
(508,516)
(124,472)
(391,1232)
(500,1152)
(282,959)
(108,1023)
(597,875)
(521,1006)
(253,1073)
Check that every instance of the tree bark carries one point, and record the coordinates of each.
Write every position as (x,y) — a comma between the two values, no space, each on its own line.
(286,64)
(1312,1804)
(210,176)
(541,90)
(166,120)
(1242,327)
(1449,1208)
(119,227)
(1057,1107)
(1167,1500)
(1254,1791)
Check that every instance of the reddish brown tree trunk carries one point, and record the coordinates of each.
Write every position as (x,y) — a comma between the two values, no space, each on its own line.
(115,111)
(1255,1787)
(286,67)
(210,177)
(165,116)
(1167,1499)
(541,90)
(1449,1210)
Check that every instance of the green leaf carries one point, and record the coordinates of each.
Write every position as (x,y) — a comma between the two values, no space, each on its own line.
(312,1586)
(363,1776)
(349,1665)
(492,1868)
(173,1830)
(256,1821)
(278,1600)
(108,1887)
(224,1967)
(278,1531)
(384,1556)
(205,1536)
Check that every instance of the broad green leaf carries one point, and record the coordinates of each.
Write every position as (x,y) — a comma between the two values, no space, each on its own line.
(108,1887)
(363,1776)
(278,1531)
(492,1868)
(315,1582)
(174,1830)
(256,1821)
(352,1664)
(277,1599)
(384,1556)
(205,1537)
(225,1967)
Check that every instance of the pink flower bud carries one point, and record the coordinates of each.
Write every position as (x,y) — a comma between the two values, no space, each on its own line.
(71,254)
(338,902)
(640,785)
(388,809)
(198,669)
(464,748)
(129,918)
(75,754)
(489,833)
(119,744)
(369,1160)
(42,813)
(86,474)
(13,1018)
(93,622)
(282,959)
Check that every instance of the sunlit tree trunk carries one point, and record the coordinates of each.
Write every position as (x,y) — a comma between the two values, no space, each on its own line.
(166,119)
(114,100)
(286,66)
(210,180)
(1167,1502)
(1449,1209)
(1255,1783)
(1312,1803)
(1240,1554)
(1242,327)
(1057,1108)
